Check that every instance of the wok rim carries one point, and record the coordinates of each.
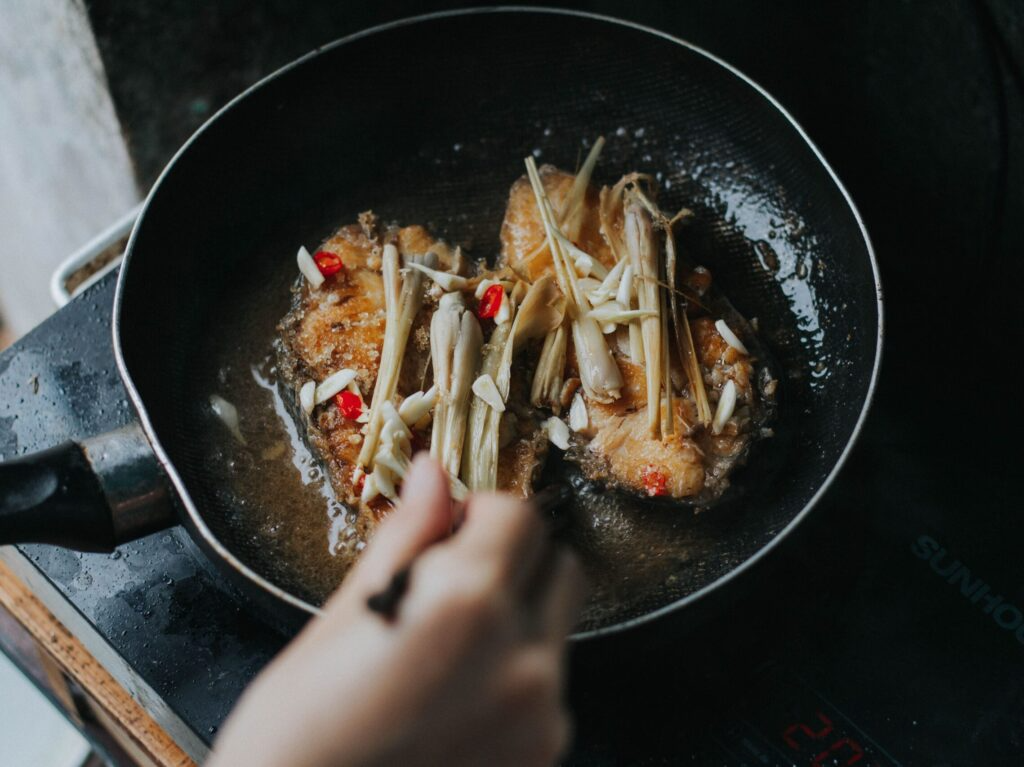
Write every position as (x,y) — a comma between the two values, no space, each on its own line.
(193,514)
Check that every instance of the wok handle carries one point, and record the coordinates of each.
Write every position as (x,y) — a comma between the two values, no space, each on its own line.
(89,495)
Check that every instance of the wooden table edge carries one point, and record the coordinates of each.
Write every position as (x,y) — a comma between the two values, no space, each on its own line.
(65,649)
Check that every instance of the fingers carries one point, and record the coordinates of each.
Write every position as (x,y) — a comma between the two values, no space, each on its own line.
(423,516)
(562,597)
(512,540)
(504,532)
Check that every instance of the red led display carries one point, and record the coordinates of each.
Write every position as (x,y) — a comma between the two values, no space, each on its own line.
(822,744)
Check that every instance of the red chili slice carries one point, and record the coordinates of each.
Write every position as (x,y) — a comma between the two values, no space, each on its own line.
(349,404)
(327,263)
(655,481)
(490,302)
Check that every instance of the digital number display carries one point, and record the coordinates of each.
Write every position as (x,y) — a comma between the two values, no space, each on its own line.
(821,740)
(785,722)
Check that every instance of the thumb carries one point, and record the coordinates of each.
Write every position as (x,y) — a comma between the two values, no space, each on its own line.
(423,516)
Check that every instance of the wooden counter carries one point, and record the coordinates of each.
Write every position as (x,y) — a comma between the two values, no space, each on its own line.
(72,678)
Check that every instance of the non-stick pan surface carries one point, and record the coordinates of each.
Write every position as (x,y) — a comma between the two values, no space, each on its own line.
(427,121)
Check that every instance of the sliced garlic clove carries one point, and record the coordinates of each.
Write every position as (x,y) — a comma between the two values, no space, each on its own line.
(557,432)
(729,337)
(504,310)
(227,413)
(726,406)
(416,406)
(370,490)
(333,384)
(446,280)
(579,419)
(309,268)
(584,266)
(482,287)
(624,293)
(306,398)
(485,388)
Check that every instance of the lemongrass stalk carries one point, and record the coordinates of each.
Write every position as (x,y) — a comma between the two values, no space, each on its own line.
(681,323)
(627,295)
(693,373)
(485,427)
(681,328)
(613,311)
(671,265)
(455,343)
(643,253)
(444,333)
(636,344)
(600,376)
(668,426)
(480,464)
(610,285)
(572,215)
(540,312)
(564,272)
(547,379)
(402,299)
(610,210)
(392,280)
(465,362)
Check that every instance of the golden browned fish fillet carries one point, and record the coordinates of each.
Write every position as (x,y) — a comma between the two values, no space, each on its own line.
(341,325)
(617,445)
(523,243)
(693,461)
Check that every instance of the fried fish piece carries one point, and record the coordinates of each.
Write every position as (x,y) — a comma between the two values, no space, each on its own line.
(692,462)
(523,242)
(341,325)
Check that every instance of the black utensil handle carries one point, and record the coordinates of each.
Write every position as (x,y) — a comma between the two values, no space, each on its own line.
(89,495)
(54,497)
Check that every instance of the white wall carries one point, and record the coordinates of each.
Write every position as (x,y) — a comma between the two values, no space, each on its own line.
(32,732)
(64,168)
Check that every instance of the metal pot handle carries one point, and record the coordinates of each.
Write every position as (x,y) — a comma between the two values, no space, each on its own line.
(89,495)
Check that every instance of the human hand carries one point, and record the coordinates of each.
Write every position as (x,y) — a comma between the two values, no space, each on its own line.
(469,671)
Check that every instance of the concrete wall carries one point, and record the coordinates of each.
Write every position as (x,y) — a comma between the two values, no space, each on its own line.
(65,172)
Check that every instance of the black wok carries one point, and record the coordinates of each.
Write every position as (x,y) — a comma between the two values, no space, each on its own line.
(427,121)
